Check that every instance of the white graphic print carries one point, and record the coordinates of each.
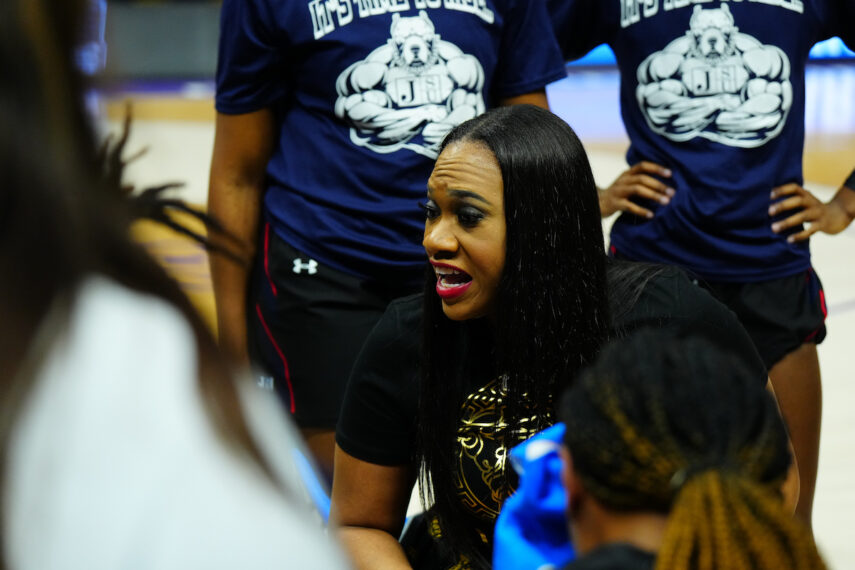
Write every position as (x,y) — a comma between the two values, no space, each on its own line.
(410,92)
(716,83)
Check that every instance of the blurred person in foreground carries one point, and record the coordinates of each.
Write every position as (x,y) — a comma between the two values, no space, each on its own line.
(125,438)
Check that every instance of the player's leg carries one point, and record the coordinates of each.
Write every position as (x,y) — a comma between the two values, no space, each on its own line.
(321,444)
(797,383)
(785,318)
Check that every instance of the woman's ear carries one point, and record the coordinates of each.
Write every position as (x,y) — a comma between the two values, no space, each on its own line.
(572,483)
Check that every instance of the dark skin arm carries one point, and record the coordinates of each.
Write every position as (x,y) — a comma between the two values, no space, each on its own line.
(369,506)
(537,98)
(243,145)
(831,217)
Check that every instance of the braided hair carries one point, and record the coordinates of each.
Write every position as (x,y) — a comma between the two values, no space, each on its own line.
(676,425)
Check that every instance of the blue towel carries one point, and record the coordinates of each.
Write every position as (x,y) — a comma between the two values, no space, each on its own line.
(531,531)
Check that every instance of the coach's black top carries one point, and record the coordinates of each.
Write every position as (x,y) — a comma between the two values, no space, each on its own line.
(378,418)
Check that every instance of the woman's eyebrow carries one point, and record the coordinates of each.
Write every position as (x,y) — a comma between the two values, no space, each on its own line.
(468,194)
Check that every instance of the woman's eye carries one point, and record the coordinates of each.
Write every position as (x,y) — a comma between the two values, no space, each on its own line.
(430,210)
(469,217)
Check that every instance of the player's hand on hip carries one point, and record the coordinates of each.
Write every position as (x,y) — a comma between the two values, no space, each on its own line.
(639,181)
(830,217)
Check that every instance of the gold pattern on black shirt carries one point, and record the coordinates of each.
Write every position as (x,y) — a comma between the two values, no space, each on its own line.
(482,459)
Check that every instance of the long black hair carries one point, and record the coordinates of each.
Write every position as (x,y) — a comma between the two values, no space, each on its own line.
(627,281)
(61,219)
(551,310)
(678,425)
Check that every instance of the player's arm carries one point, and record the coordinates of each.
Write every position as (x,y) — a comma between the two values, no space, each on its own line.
(369,505)
(537,98)
(831,217)
(242,147)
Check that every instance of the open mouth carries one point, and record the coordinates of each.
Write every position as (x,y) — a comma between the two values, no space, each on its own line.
(448,277)
(451,282)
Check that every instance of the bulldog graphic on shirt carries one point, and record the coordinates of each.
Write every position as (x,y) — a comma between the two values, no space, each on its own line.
(717,83)
(408,93)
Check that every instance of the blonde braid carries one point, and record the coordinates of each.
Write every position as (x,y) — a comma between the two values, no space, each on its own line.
(724,520)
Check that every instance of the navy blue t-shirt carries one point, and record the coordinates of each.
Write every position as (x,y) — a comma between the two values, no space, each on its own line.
(364,91)
(715,92)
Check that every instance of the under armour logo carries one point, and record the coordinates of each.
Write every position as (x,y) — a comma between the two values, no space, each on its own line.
(311,267)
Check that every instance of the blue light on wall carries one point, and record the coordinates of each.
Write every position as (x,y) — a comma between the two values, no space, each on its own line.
(829,49)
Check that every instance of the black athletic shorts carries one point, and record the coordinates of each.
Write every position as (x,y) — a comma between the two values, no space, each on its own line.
(306,325)
(780,315)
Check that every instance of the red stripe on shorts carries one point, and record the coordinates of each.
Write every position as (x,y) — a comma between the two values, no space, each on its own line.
(281,357)
(267,259)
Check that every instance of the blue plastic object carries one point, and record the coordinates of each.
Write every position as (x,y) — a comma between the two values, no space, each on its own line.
(316,490)
(531,531)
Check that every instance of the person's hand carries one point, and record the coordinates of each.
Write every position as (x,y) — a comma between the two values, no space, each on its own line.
(637,181)
(831,217)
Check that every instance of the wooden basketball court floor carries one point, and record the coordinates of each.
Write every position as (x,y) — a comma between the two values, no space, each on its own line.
(176,126)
